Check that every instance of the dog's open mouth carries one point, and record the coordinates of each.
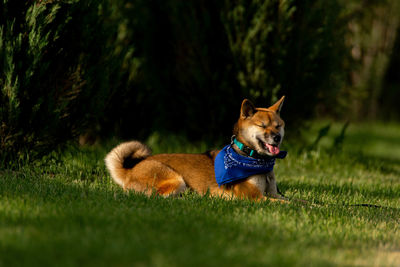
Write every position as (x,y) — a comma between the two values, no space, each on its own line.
(272,149)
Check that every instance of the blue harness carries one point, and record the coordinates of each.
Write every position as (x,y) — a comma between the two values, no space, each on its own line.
(229,166)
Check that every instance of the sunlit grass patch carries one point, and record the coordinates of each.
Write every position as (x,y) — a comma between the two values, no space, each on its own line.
(65,210)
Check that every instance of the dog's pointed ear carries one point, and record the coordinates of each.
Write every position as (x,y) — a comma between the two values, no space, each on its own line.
(278,105)
(247,110)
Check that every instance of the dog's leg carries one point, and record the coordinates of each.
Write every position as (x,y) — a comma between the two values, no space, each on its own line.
(171,187)
(153,176)
(273,199)
(271,189)
(242,190)
(245,190)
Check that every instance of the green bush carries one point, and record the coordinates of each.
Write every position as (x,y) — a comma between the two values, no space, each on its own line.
(199,59)
(293,48)
(55,72)
(131,68)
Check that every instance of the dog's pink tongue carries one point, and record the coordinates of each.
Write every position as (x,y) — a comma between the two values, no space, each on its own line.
(273,149)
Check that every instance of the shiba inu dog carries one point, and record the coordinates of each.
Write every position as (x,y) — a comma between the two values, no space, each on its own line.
(243,169)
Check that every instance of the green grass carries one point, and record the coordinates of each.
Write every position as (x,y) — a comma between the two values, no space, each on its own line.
(65,211)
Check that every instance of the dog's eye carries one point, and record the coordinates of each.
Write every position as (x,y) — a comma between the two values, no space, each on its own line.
(262,125)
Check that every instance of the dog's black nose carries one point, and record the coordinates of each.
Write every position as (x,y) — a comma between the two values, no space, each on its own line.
(277,138)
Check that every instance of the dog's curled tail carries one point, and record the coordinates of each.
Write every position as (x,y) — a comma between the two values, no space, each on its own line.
(123,157)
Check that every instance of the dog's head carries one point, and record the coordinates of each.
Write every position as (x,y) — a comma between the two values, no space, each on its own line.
(261,129)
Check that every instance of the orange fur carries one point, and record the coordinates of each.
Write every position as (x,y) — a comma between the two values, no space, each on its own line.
(171,174)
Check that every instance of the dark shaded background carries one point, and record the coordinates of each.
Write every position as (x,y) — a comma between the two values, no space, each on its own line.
(105,68)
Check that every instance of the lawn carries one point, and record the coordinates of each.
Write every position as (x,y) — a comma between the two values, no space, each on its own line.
(65,211)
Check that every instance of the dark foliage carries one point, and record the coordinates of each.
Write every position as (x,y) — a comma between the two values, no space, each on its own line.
(52,73)
(130,68)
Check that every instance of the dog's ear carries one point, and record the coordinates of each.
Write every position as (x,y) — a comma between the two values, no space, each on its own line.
(247,110)
(278,105)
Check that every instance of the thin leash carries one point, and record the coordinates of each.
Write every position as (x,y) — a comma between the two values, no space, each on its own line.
(252,153)
(345,205)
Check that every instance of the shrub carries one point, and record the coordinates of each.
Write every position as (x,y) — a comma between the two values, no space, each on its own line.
(132,68)
(54,72)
